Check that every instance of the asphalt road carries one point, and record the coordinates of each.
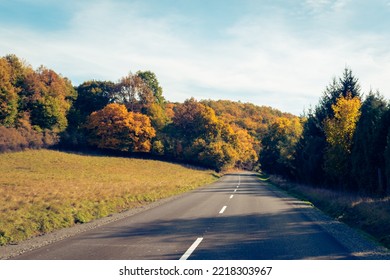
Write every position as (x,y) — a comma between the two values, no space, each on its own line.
(238,217)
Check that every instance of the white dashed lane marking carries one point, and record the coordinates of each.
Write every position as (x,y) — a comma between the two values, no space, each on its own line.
(188,253)
(223,209)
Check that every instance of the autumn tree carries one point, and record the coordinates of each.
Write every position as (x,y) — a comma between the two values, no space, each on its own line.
(211,141)
(18,69)
(91,96)
(33,104)
(194,119)
(47,97)
(278,146)
(8,95)
(218,155)
(256,120)
(134,93)
(155,108)
(150,79)
(203,137)
(158,116)
(12,78)
(339,132)
(115,128)
(245,145)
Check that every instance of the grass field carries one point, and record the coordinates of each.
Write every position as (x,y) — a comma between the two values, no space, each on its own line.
(44,190)
(370,215)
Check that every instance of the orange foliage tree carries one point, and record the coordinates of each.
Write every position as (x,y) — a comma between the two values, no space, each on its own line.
(115,128)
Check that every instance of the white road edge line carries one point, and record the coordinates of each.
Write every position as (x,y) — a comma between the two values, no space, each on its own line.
(231,196)
(222,210)
(188,253)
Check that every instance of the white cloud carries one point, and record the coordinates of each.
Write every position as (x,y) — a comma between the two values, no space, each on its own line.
(262,60)
(298,68)
(321,6)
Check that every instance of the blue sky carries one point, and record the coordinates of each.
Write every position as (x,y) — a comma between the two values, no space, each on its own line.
(279,53)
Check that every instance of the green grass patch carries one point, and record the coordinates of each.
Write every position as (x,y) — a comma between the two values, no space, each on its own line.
(44,190)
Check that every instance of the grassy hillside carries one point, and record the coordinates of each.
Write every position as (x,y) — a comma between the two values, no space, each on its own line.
(45,190)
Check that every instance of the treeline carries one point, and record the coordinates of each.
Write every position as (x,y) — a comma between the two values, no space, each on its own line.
(342,143)
(41,108)
(345,140)
(33,105)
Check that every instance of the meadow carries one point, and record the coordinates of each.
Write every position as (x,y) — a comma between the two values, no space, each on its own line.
(45,190)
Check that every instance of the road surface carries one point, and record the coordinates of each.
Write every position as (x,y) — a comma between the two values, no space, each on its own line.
(238,217)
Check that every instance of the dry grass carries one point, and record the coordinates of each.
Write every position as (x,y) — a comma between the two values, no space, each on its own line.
(45,190)
(371,215)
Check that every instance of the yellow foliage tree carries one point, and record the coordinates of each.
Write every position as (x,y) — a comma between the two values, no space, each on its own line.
(245,146)
(339,132)
(219,155)
(115,128)
(278,145)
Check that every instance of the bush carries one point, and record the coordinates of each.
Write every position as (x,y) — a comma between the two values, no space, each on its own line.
(18,139)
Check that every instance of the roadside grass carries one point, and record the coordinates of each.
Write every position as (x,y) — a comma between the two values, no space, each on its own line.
(44,190)
(369,215)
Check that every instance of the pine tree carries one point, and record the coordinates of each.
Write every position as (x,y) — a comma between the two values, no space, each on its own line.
(311,149)
(367,157)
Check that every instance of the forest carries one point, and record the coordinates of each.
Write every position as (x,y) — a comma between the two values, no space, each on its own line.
(341,143)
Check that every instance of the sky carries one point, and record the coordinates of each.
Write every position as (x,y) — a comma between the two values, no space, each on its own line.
(278,53)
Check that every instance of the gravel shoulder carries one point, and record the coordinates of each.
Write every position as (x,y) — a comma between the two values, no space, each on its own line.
(360,244)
